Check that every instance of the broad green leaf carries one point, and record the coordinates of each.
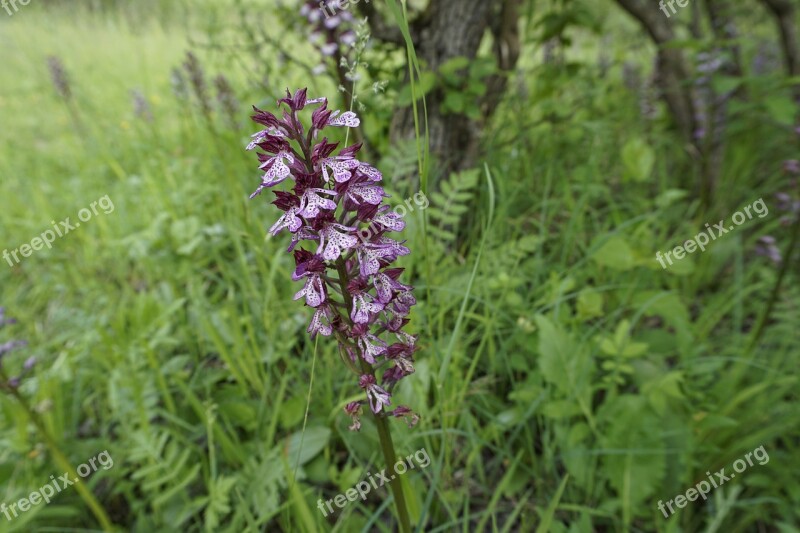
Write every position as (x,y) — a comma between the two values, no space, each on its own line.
(781,108)
(615,253)
(562,363)
(590,304)
(315,440)
(634,460)
(638,158)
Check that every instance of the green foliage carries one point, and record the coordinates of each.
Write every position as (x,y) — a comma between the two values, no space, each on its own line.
(566,382)
(450,205)
(639,159)
(462,82)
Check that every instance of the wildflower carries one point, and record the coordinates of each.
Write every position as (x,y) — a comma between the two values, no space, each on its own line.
(178,84)
(376,395)
(327,33)
(791,166)
(58,75)
(141,108)
(410,417)
(766,247)
(354,410)
(349,282)
(5,348)
(227,100)
(197,80)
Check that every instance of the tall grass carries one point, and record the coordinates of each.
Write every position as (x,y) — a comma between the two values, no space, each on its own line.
(165,336)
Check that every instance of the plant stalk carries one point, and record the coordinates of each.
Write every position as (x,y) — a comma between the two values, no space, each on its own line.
(61,460)
(776,289)
(384,434)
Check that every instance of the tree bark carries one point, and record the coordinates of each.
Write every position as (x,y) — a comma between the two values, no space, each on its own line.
(784,11)
(672,68)
(446,30)
(724,28)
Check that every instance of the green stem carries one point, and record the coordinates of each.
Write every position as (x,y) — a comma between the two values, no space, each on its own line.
(787,259)
(387,446)
(62,461)
(384,434)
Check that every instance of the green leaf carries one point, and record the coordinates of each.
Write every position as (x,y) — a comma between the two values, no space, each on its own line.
(638,158)
(219,501)
(482,67)
(781,108)
(615,253)
(448,206)
(561,409)
(635,462)
(661,390)
(449,70)
(671,308)
(608,347)
(726,84)
(425,84)
(292,411)
(562,363)
(315,440)
(590,304)
(549,513)
(670,196)
(455,102)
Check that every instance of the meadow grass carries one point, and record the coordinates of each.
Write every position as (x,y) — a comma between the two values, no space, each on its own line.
(564,377)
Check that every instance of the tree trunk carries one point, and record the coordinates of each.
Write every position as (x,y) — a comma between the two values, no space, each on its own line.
(672,68)
(450,29)
(785,13)
(724,29)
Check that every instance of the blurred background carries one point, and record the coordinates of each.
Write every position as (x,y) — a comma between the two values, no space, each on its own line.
(566,381)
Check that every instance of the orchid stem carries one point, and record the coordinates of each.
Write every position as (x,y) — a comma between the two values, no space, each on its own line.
(384,434)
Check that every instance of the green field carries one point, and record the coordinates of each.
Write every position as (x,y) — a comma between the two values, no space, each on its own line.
(565,380)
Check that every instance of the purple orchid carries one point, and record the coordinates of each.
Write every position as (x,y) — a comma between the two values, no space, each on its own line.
(354,410)
(13,382)
(328,28)
(347,278)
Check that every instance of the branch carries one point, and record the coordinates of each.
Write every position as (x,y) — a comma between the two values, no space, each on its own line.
(672,64)
(784,12)
(507,49)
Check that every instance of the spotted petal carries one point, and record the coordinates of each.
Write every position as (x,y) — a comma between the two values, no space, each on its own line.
(377,398)
(348,119)
(277,170)
(368,258)
(371,194)
(313,290)
(341,168)
(303,234)
(289,220)
(370,172)
(363,308)
(391,221)
(320,322)
(384,285)
(312,202)
(333,241)
(262,135)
